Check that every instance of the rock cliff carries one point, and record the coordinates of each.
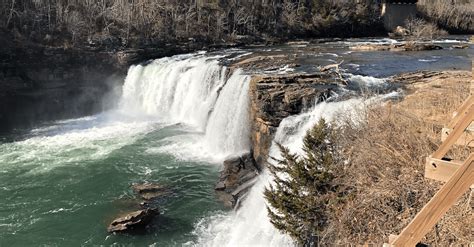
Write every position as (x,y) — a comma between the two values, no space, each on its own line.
(275,97)
(39,83)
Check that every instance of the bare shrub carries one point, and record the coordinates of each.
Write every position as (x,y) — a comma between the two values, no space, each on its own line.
(455,15)
(421,29)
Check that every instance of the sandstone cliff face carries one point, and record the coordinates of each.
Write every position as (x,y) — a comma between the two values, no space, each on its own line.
(275,97)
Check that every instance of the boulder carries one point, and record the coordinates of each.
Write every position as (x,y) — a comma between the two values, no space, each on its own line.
(401,31)
(134,221)
(237,176)
(149,191)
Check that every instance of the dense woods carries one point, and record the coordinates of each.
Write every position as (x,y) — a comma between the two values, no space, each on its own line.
(142,22)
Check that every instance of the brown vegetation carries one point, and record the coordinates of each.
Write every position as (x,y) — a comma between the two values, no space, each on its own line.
(386,156)
(141,22)
(455,15)
(420,29)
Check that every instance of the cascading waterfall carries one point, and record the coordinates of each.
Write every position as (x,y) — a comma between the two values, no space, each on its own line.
(249,225)
(192,90)
(177,119)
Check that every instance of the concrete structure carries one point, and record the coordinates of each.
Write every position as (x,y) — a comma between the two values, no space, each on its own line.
(396,12)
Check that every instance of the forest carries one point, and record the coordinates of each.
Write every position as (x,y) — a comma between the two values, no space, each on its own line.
(131,23)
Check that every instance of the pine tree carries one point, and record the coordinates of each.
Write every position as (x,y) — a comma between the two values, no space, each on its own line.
(304,189)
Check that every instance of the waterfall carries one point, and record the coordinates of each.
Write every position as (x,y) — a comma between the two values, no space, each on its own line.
(196,91)
(193,90)
(249,225)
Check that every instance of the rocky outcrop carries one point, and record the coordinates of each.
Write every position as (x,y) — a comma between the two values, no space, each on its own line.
(460,46)
(409,46)
(401,31)
(275,97)
(237,176)
(139,220)
(150,191)
(134,221)
(414,77)
(40,83)
(267,63)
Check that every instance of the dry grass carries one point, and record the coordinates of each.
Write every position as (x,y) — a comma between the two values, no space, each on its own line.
(386,167)
(452,15)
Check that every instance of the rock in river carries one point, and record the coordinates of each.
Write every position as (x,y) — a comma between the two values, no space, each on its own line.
(137,220)
(149,191)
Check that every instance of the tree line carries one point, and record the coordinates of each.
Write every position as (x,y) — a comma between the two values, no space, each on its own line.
(141,22)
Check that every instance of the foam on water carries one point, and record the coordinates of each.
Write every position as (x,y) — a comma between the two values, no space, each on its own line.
(70,143)
(249,225)
(192,90)
(195,92)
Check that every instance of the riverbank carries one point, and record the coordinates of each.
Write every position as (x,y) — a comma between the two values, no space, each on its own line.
(386,158)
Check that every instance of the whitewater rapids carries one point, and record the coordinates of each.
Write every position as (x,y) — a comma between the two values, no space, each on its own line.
(250,225)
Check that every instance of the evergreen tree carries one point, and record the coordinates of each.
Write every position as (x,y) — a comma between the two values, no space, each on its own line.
(304,190)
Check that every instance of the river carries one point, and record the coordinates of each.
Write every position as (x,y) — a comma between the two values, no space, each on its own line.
(176,120)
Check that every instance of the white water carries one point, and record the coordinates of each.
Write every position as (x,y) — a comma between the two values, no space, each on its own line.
(72,142)
(250,225)
(367,82)
(191,90)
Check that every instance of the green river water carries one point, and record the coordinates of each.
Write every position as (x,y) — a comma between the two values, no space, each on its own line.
(74,184)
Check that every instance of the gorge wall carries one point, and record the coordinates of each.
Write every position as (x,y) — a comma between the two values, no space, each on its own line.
(41,83)
(275,97)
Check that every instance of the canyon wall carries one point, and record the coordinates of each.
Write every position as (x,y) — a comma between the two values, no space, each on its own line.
(275,97)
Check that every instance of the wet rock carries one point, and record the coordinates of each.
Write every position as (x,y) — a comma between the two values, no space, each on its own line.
(236,178)
(370,47)
(461,46)
(220,185)
(134,221)
(274,97)
(409,46)
(149,191)
(270,64)
(421,47)
(414,77)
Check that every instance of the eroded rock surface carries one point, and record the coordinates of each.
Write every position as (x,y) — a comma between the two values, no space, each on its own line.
(149,191)
(238,175)
(275,97)
(409,46)
(134,221)
(147,209)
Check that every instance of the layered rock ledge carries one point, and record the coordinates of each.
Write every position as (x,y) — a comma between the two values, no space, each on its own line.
(275,97)
(409,46)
